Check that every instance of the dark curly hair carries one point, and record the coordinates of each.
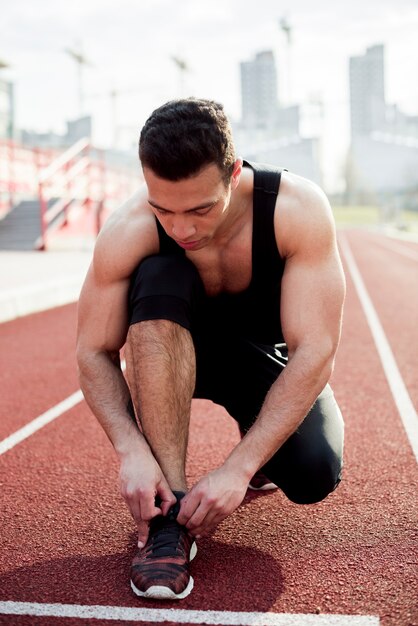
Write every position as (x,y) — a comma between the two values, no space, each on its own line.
(183,136)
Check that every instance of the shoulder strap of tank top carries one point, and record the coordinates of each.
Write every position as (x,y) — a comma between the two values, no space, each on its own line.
(266,187)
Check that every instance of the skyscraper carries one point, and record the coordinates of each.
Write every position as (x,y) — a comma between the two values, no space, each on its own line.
(259,91)
(384,147)
(367,91)
(6,110)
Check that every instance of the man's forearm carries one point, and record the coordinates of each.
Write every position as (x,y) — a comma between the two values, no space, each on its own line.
(107,394)
(284,409)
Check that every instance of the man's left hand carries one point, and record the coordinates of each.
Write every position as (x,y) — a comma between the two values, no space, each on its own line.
(213,498)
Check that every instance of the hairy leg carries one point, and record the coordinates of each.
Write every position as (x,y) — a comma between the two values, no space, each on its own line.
(161,372)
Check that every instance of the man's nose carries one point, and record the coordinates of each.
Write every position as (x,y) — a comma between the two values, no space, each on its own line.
(183,229)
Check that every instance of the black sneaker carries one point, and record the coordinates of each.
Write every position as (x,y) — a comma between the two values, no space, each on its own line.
(260,482)
(160,569)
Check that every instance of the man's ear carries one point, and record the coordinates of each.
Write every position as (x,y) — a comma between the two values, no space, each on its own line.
(236,173)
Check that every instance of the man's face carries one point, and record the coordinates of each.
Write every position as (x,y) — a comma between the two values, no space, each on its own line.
(191,210)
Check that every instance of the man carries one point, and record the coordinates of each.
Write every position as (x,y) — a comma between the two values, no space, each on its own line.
(222,286)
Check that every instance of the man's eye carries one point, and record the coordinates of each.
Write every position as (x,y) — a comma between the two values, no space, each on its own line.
(204,211)
(162,211)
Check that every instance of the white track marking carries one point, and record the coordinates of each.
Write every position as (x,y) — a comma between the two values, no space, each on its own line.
(397,386)
(42,420)
(183,616)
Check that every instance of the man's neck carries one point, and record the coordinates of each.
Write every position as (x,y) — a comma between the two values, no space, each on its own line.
(239,210)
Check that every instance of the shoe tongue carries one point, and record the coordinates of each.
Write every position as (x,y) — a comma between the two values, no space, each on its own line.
(166,530)
(174,511)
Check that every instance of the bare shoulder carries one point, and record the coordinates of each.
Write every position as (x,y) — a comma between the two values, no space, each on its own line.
(303,217)
(129,235)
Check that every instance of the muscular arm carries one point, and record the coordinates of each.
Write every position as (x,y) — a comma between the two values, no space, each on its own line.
(102,328)
(101,334)
(102,318)
(313,290)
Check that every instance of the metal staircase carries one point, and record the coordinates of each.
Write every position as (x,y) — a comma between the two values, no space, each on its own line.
(21,228)
(55,185)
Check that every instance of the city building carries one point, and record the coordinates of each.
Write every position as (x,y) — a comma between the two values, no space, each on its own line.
(6,110)
(76,129)
(383,156)
(367,91)
(259,91)
(268,132)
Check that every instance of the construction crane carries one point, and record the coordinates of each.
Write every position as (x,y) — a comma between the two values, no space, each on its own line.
(183,67)
(113,97)
(81,61)
(287,30)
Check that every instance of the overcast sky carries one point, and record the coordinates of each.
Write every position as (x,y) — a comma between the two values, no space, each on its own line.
(130,43)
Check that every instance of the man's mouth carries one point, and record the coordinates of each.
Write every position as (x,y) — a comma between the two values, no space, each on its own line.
(188,245)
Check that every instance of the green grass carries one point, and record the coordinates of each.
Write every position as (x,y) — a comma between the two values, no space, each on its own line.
(372,216)
(356,215)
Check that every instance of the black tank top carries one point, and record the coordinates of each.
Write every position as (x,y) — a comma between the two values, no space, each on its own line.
(254,312)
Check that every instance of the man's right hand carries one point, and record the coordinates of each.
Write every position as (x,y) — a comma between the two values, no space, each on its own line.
(141,481)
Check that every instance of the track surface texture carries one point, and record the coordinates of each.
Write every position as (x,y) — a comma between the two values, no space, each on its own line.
(67,537)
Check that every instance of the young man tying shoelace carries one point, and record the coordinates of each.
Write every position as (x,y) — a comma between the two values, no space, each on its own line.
(223,280)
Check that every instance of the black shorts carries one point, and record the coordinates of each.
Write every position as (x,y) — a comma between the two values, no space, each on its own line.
(236,372)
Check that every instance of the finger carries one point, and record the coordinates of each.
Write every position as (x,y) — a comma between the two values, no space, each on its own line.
(142,526)
(198,517)
(168,499)
(188,506)
(143,532)
(148,506)
(134,509)
(208,525)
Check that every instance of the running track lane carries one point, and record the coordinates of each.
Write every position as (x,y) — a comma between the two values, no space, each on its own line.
(37,352)
(392,283)
(67,537)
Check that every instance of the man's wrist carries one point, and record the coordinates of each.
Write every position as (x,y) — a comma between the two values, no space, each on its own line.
(131,441)
(241,464)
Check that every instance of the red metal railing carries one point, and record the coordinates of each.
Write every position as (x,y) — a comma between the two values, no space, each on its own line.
(80,177)
(19,171)
(68,179)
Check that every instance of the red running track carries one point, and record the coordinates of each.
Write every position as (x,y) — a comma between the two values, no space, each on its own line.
(66,536)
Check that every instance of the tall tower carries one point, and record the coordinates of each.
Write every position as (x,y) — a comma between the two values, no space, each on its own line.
(259,91)
(367,91)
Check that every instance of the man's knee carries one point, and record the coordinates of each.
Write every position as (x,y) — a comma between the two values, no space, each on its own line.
(164,287)
(307,478)
(313,481)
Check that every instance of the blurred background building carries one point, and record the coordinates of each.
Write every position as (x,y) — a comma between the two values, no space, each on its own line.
(76,129)
(291,103)
(382,161)
(7,109)
(268,131)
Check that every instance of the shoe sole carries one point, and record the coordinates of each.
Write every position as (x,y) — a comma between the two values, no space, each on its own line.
(266,487)
(159,592)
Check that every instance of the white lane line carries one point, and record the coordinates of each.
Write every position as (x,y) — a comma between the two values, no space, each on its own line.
(397,386)
(40,421)
(183,616)
(44,419)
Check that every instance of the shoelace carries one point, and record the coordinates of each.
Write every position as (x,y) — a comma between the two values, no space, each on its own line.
(165,537)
